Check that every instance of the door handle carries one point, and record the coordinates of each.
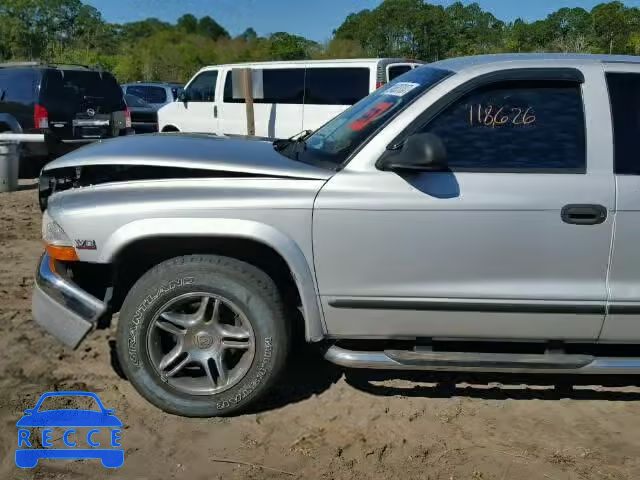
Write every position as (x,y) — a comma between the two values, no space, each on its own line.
(579,214)
(215,111)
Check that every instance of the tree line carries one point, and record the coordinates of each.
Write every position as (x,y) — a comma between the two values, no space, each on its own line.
(68,31)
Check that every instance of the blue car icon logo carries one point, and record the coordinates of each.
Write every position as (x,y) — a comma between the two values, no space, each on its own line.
(100,422)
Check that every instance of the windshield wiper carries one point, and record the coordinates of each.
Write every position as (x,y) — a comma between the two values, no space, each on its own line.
(282,143)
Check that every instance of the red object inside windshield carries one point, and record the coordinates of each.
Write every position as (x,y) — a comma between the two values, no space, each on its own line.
(370,115)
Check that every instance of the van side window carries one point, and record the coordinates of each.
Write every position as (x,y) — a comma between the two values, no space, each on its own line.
(397,70)
(281,85)
(515,126)
(624,94)
(203,87)
(336,86)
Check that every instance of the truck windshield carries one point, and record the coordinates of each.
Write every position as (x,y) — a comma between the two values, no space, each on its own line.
(333,143)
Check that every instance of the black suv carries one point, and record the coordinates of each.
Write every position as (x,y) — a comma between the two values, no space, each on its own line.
(72,105)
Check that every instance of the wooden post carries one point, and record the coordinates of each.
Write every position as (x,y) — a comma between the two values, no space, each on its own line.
(247,87)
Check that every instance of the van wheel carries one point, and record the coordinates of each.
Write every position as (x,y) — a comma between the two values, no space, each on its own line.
(203,336)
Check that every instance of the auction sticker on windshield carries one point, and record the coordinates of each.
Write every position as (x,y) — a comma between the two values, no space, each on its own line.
(400,89)
(56,429)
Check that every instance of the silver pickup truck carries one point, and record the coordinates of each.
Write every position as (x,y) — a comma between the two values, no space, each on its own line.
(474,214)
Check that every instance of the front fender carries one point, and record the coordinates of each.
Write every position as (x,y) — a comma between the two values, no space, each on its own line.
(229,227)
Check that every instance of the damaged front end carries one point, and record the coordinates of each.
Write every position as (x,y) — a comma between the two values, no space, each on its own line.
(61,179)
(167,156)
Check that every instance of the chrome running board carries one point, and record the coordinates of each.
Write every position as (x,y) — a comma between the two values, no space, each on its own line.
(482,362)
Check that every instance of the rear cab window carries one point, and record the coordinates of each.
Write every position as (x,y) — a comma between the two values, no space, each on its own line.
(624,95)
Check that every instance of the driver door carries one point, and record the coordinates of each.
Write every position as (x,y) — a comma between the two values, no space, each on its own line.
(198,113)
(485,249)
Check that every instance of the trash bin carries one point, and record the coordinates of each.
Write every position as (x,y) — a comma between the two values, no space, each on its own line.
(9,163)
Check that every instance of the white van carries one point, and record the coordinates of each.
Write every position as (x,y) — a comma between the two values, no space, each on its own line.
(298,95)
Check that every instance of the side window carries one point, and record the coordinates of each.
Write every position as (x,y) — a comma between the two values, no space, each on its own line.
(203,87)
(336,86)
(18,85)
(281,85)
(4,85)
(397,70)
(529,126)
(624,94)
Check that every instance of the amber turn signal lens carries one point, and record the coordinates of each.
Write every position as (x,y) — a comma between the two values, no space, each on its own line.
(65,254)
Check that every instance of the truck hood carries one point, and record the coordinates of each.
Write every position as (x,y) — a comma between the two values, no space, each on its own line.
(191,151)
(170,156)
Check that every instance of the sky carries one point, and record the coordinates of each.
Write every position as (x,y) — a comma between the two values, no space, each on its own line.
(313,19)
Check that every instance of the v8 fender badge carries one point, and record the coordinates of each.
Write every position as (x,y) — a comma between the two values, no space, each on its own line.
(86,244)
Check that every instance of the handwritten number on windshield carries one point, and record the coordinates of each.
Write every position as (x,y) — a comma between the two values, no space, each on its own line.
(490,116)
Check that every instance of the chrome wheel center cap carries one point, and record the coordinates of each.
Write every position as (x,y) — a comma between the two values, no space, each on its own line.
(205,340)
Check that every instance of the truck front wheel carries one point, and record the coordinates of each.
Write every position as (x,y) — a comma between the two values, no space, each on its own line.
(203,335)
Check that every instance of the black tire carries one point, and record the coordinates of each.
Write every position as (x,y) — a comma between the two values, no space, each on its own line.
(249,288)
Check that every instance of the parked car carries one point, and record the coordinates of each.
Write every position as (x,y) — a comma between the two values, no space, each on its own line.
(300,95)
(477,214)
(156,94)
(144,117)
(72,105)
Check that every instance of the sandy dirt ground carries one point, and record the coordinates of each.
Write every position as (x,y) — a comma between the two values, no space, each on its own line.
(319,423)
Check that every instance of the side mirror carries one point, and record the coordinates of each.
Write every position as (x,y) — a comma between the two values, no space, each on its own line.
(421,152)
(183,97)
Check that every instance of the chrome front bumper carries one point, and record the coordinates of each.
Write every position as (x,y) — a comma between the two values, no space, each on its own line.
(61,307)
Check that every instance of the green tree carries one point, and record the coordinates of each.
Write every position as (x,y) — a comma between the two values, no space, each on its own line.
(475,31)
(570,30)
(356,27)
(187,23)
(340,48)
(35,28)
(71,31)
(208,27)
(610,26)
(249,35)
(134,31)
(284,46)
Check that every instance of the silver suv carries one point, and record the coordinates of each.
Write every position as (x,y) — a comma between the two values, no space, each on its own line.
(156,94)
(474,214)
